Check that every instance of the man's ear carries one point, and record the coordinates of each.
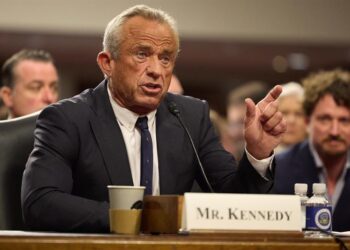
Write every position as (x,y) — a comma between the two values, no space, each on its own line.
(6,96)
(104,61)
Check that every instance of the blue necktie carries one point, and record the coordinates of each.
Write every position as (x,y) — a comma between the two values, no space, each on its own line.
(146,154)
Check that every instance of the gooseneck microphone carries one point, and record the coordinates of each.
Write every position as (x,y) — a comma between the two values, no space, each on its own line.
(172,106)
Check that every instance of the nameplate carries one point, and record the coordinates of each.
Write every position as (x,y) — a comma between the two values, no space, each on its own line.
(203,211)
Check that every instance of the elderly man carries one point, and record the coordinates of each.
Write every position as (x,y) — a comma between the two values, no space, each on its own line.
(290,105)
(126,132)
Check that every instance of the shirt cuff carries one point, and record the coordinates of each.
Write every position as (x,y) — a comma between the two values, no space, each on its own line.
(260,166)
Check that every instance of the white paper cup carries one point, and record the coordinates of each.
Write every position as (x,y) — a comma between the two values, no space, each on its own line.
(125,209)
(124,197)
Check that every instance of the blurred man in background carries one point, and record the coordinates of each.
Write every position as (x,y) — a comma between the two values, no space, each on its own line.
(175,86)
(236,111)
(325,156)
(29,82)
(219,122)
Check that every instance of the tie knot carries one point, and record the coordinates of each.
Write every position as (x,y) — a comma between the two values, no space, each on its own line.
(141,123)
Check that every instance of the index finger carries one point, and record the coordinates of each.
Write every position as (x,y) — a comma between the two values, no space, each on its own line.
(270,97)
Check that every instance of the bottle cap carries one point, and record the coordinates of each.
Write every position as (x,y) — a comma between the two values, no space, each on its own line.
(300,188)
(319,188)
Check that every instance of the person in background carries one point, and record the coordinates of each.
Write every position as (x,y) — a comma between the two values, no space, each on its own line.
(175,86)
(127,131)
(221,128)
(29,82)
(219,122)
(290,104)
(236,111)
(325,155)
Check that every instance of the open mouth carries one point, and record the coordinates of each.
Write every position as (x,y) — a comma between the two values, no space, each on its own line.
(152,85)
(151,88)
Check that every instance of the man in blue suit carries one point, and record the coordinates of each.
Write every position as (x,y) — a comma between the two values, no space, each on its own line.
(324,156)
(87,142)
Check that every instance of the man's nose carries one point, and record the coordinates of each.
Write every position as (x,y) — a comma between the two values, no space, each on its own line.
(154,67)
(335,127)
(49,96)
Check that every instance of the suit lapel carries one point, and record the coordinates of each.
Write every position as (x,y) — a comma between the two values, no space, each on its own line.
(168,133)
(305,160)
(341,211)
(109,137)
(308,171)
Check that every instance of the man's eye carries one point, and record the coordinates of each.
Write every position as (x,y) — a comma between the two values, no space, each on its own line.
(324,119)
(165,59)
(345,121)
(141,54)
(54,88)
(35,87)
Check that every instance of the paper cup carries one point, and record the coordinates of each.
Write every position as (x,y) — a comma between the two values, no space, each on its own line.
(125,208)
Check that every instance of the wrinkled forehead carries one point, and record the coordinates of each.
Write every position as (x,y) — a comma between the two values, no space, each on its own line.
(160,33)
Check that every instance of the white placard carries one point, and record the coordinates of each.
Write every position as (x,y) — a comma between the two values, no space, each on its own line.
(203,211)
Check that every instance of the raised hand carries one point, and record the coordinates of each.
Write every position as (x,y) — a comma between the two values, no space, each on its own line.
(264,124)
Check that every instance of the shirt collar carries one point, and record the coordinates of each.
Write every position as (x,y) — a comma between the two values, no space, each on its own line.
(126,117)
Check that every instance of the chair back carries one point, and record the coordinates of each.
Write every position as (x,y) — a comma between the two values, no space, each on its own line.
(16,143)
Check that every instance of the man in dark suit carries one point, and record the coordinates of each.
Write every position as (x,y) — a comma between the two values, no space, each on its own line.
(87,142)
(324,157)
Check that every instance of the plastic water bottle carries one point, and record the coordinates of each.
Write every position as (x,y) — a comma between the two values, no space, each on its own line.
(300,189)
(318,213)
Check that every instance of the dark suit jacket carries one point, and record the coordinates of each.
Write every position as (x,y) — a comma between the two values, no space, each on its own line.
(79,150)
(298,166)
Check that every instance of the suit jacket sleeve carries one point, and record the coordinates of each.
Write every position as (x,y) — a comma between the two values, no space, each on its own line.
(47,185)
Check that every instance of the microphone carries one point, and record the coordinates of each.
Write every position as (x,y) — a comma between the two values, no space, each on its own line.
(172,106)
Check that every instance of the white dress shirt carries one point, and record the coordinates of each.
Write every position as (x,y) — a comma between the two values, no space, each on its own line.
(132,138)
(322,174)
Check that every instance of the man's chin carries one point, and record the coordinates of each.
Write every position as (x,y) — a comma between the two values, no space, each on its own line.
(333,152)
(145,108)
(152,102)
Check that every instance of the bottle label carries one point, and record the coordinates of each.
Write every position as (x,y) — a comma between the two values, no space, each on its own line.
(319,217)
(303,217)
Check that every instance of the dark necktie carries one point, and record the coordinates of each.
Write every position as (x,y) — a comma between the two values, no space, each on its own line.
(146,154)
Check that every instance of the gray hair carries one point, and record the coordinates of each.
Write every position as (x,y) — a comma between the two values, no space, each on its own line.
(112,36)
(292,89)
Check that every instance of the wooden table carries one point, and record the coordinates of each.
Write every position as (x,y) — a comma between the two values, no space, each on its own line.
(214,241)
